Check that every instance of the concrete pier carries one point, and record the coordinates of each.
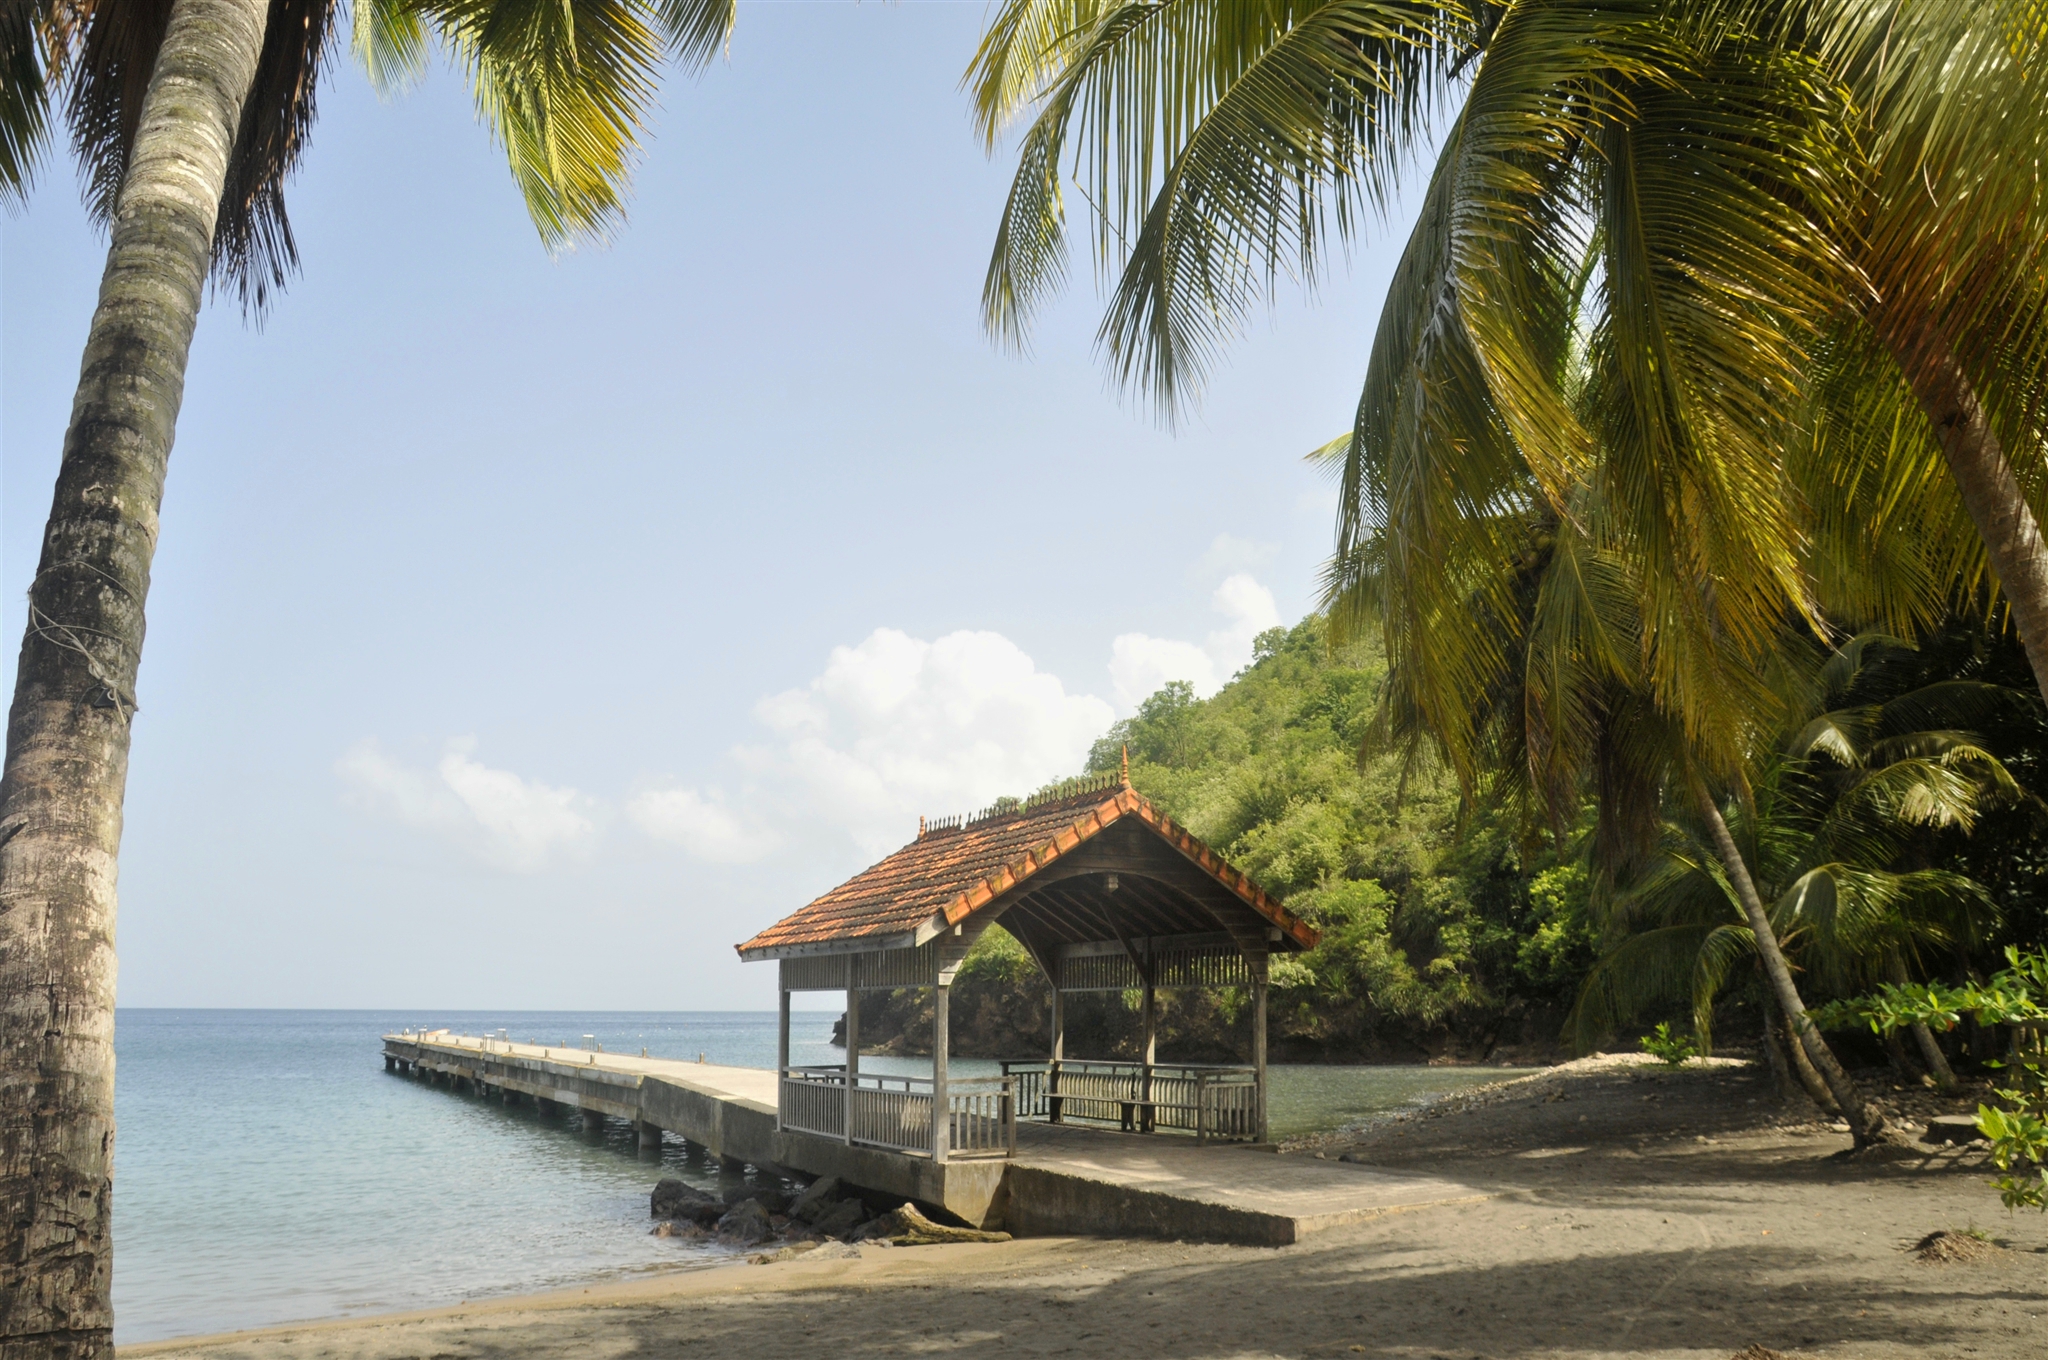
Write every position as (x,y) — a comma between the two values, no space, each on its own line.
(1063,1179)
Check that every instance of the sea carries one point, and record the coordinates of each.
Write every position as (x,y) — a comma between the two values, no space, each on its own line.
(269,1170)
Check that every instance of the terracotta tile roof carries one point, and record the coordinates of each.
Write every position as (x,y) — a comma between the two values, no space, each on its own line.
(955,867)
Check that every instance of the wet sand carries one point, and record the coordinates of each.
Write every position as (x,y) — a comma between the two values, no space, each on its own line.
(1634,1212)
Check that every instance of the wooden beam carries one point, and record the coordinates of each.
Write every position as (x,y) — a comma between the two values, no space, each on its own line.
(1259,1042)
(852,1056)
(942,1043)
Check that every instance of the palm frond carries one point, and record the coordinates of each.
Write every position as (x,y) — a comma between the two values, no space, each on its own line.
(26,51)
(254,254)
(1719,953)
(562,84)
(697,30)
(1219,144)
(390,44)
(1650,968)
(103,101)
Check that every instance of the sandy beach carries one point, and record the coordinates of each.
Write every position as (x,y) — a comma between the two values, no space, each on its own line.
(1632,1212)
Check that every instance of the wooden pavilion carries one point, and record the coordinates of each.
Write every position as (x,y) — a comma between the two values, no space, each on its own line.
(1107,893)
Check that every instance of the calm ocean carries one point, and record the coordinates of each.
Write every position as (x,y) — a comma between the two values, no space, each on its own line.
(269,1170)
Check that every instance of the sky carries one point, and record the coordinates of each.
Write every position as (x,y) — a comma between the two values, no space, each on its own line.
(527,631)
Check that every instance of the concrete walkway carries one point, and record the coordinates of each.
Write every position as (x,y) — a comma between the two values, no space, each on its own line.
(738,1083)
(1076,1179)
(1066,1179)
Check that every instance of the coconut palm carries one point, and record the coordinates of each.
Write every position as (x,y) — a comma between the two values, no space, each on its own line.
(188,117)
(1835,814)
(1708,201)
(1742,188)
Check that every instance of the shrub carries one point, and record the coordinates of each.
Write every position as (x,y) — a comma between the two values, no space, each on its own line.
(1673,1050)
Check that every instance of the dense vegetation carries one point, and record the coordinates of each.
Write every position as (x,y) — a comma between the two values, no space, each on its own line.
(1452,928)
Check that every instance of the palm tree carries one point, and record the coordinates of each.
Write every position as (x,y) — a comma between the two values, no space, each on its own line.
(188,117)
(1740,186)
(1707,202)
(1835,812)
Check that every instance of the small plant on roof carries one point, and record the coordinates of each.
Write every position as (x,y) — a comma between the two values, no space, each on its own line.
(1673,1050)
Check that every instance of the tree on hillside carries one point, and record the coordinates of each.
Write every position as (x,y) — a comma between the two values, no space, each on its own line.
(187,117)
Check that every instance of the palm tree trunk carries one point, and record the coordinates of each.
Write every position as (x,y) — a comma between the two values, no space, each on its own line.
(68,730)
(1802,1066)
(1977,461)
(1864,1122)
(1930,1051)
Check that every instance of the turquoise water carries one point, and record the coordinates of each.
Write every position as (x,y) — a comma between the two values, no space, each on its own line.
(269,1170)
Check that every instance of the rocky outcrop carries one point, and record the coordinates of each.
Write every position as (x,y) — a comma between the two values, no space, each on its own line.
(678,1199)
(746,1224)
(819,1196)
(825,1211)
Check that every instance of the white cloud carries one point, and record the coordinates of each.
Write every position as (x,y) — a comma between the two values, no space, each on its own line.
(1140,663)
(1251,610)
(703,826)
(898,726)
(891,729)
(496,815)
(1228,553)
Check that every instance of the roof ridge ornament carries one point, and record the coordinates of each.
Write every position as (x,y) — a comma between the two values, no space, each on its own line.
(1125,773)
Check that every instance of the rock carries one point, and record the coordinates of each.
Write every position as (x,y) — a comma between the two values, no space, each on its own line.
(816,1200)
(788,1253)
(771,1199)
(745,1224)
(1952,1128)
(685,1229)
(673,1198)
(842,1218)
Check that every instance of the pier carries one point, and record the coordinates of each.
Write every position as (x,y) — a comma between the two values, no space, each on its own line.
(1062,1179)
(1107,894)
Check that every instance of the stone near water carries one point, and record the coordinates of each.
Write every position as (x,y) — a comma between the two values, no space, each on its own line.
(816,1200)
(841,1219)
(771,1199)
(686,1230)
(1952,1129)
(673,1198)
(745,1224)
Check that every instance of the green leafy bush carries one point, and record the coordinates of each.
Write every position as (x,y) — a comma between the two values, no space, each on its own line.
(1673,1050)
(2016,997)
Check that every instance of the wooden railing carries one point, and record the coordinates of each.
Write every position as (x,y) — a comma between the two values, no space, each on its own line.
(1210,1102)
(896,1112)
(984,1113)
(893,1112)
(813,1100)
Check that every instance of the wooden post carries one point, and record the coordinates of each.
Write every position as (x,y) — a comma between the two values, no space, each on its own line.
(1149,1055)
(1259,1041)
(781,1053)
(942,1042)
(1059,1053)
(852,1054)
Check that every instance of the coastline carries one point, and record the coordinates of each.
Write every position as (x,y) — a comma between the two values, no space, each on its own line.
(1629,1212)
